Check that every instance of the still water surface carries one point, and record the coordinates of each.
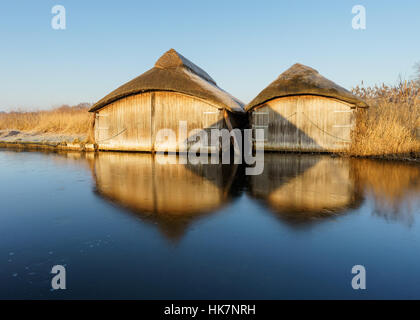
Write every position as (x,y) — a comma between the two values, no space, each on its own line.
(126,226)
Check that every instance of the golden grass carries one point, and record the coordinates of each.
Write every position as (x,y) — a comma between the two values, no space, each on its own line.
(65,119)
(389,127)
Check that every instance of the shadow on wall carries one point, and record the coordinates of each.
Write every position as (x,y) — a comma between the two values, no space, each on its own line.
(304,123)
(293,137)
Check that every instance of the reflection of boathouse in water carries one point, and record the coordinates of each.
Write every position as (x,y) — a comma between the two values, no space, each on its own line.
(305,188)
(170,195)
(299,189)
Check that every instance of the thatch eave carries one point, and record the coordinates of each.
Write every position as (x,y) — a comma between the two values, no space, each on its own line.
(175,73)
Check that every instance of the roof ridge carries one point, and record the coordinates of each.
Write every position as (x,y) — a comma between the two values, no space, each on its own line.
(299,67)
(172,59)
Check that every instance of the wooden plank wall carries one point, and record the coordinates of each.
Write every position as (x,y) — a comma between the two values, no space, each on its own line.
(305,123)
(171,107)
(133,122)
(125,124)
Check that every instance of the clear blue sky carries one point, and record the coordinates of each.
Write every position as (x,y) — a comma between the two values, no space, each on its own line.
(243,45)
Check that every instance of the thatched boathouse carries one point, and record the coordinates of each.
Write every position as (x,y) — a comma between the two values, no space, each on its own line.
(303,111)
(174,90)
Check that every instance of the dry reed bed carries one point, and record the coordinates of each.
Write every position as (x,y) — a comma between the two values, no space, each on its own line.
(65,119)
(389,127)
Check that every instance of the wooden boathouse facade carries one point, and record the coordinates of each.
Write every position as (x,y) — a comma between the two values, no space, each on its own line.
(303,111)
(174,91)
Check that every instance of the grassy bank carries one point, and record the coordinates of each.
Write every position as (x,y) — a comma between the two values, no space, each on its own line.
(388,129)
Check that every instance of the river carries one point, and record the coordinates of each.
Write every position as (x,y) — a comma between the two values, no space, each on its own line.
(127,226)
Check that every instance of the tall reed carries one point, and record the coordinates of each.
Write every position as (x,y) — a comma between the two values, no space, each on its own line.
(389,127)
(64,119)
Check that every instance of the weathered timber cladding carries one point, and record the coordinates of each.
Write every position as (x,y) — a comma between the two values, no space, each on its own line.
(305,123)
(125,124)
(132,123)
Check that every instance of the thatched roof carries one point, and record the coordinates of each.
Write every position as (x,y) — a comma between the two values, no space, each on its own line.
(174,72)
(301,80)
